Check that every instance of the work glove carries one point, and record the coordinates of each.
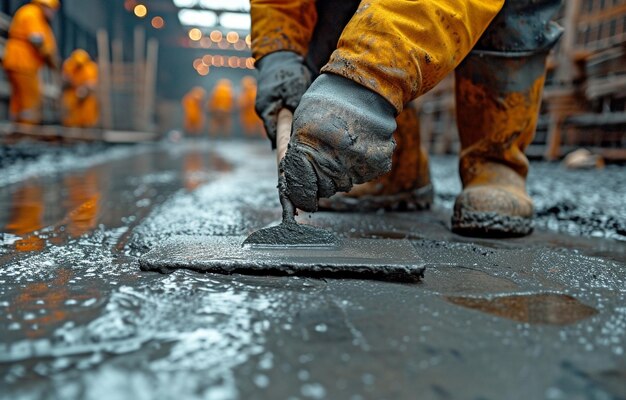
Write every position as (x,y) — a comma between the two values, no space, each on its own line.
(342,135)
(83,91)
(283,79)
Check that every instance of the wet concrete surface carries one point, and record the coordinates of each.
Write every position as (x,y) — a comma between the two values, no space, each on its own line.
(357,258)
(536,317)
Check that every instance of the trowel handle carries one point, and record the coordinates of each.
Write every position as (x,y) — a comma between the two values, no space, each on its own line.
(283,134)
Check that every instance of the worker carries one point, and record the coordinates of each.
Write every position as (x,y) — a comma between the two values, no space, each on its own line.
(220,108)
(250,121)
(193,109)
(367,61)
(80,101)
(30,46)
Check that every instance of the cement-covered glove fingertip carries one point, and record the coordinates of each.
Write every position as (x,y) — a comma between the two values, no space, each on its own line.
(300,180)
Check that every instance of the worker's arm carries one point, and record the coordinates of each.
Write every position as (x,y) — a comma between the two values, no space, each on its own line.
(281,25)
(281,32)
(42,38)
(390,52)
(48,53)
(401,49)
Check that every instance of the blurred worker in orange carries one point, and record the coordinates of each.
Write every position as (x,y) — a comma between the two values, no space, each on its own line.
(80,82)
(250,121)
(193,108)
(30,46)
(220,108)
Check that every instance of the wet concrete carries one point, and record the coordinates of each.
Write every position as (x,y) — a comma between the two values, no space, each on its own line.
(536,317)
(290,233)
(382,259)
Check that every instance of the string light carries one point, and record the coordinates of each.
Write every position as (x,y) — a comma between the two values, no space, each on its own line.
(195,34)
(203,70)
(158,23)
(216,36)
(232,37)
(206,42)
(140,10)
(129,5)
(219,61)
(239,45)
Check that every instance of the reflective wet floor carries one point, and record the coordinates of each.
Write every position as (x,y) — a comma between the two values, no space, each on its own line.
(538,317)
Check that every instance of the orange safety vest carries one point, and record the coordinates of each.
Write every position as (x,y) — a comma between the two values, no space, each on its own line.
(20,54)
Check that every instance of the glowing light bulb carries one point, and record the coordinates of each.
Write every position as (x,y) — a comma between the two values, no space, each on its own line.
(195,34)
(232,37)
(158,23)
(140,10)
(216,36)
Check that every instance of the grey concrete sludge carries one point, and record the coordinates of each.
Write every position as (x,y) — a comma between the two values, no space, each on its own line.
(383,259)
(536,317)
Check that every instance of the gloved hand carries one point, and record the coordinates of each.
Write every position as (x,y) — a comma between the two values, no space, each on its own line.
(82,92)
(342,135)
(283,79)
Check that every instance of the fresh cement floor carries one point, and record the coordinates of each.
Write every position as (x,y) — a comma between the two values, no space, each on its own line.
(532,318)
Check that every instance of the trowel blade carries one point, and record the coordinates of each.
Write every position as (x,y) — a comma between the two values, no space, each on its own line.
(292,234)
(382,259)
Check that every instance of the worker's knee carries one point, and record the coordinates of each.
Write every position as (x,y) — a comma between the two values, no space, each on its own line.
(522,25)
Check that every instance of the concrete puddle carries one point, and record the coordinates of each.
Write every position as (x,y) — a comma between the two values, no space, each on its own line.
(51,209)
(542,308)
(381,234)
(452,279)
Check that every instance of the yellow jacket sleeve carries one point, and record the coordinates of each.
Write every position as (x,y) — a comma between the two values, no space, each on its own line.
(281,25)
(402,48)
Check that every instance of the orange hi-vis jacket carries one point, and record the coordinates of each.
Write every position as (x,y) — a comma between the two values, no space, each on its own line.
(83,112)
(221,98)
(20,54)
(399,49)
(86,75)
(193,107)
(250,121)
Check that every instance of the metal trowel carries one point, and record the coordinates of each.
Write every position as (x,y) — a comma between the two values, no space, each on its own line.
(289,248)
(289,233)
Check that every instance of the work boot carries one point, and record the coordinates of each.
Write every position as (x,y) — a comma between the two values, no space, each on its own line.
(406,187)
(498,95)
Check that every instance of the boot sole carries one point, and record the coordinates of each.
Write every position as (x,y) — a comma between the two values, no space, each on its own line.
(489,224)
(418,199)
